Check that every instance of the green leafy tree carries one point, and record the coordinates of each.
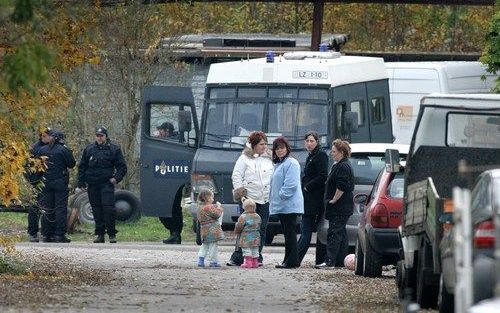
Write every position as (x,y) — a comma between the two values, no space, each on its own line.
(491,53)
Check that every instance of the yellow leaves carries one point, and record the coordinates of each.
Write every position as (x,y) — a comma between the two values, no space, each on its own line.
(12,160)
(8,244)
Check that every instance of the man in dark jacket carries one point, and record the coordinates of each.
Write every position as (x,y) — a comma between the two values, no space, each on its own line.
(102,166)
(34,179)
(54,195)
(313,189)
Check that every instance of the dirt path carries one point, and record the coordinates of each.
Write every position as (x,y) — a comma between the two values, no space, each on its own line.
(160,278)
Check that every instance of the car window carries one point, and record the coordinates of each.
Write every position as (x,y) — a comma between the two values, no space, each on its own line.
(366,168)
(481,208)
(396,187)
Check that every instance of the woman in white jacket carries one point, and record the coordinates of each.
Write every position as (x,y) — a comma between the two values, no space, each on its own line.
(252,178)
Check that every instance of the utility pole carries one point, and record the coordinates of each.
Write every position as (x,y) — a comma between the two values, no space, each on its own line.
(317,26)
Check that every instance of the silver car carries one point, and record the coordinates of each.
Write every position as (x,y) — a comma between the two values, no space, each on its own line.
(367,160)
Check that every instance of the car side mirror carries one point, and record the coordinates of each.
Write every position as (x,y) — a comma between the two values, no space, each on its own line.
(446,218)
(392,160)
(350,122)
(184,121)
(360,199)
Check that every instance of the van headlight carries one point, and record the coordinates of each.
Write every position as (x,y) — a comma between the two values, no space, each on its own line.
(202,181)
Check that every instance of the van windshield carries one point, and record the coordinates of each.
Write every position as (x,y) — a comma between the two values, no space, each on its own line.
(229,122)
(473,130)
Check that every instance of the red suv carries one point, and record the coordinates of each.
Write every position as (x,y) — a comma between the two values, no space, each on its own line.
(378,242)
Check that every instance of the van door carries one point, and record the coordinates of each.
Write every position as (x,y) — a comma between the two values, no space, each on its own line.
(169,137)
(379,111)
(351,98)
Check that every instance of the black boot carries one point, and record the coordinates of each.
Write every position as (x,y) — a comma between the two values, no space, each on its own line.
(174,239)
(62,238)
(99,239)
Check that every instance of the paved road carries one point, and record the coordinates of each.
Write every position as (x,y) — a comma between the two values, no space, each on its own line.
(158,278)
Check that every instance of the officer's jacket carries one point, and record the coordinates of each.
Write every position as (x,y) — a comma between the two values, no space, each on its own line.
(59,159)
(100,163)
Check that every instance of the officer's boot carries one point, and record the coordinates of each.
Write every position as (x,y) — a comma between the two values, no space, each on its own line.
(99,239)
(61,239)
(175,238)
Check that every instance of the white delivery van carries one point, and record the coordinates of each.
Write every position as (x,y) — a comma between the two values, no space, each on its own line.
(410,81)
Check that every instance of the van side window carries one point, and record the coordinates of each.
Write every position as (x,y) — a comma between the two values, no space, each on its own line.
(164,123)
(359,107)
(378,109)
(340,108)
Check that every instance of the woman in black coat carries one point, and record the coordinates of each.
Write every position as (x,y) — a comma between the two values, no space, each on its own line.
(313,189)
(339,203)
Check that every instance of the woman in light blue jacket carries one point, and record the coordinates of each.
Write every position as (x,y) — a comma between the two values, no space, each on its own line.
(285,199)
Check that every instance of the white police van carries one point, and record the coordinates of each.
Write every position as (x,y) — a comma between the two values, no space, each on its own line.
(338,96)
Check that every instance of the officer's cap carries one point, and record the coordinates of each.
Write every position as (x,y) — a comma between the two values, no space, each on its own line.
(101,130)
(44,130)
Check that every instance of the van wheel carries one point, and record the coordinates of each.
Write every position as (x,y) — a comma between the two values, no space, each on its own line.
(127,206)
(372,262)
(446,301)
(426,293)
(358,261)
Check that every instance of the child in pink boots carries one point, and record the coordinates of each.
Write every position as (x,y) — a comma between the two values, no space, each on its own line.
(248,226)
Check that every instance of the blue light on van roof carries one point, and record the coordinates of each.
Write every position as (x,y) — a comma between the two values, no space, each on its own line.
(323,47)
(270,56)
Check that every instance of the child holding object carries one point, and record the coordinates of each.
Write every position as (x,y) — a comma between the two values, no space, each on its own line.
(210,228)
(248,227)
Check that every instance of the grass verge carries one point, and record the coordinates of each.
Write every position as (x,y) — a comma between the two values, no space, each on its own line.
(145,229)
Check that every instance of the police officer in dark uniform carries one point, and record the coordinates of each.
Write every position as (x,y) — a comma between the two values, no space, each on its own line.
(102,166)
(34,179)
(54,195)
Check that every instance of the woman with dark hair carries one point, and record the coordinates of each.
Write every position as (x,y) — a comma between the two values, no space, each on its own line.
(313,189)
(252,178)
(286,198)
(339,203)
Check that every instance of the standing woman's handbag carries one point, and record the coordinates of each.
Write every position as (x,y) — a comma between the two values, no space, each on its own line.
(237,256)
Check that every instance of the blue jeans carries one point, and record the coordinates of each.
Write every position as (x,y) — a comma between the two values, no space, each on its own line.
(307,227)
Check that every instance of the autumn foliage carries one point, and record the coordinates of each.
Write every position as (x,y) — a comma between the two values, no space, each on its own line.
(42,43)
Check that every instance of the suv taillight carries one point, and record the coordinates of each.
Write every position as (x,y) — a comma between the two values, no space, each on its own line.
(202,181)
(380,216)
(484,235)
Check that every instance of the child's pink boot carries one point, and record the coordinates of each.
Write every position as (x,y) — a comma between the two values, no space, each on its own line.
(255,262)
(248,262)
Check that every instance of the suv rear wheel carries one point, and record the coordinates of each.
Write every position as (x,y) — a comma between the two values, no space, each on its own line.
(372,262)
(358,261)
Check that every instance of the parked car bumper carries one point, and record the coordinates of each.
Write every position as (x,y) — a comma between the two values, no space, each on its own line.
(384,241)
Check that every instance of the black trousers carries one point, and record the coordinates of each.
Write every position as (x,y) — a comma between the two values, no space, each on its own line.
(175,223)
(34,217)
(337,245)
(102,200)
(288,223)
(307,227)
(54,203)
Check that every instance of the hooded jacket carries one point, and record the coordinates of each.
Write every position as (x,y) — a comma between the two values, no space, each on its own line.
(253,172)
